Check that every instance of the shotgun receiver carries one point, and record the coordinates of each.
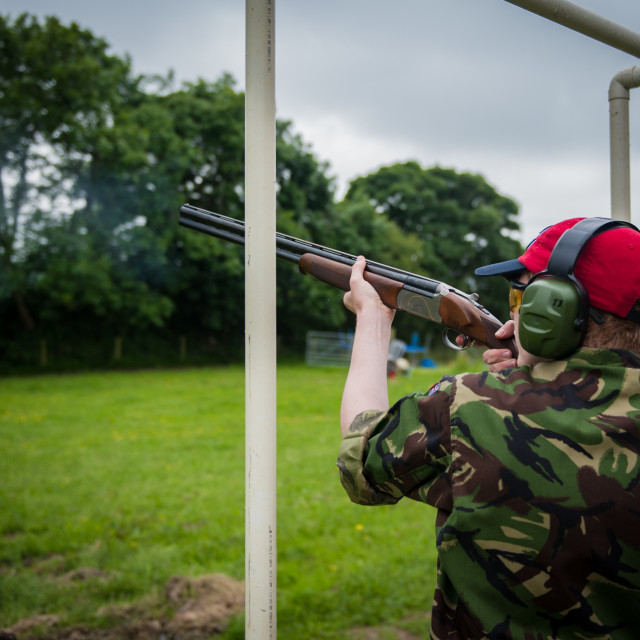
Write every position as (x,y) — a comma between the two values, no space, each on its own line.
(424,297)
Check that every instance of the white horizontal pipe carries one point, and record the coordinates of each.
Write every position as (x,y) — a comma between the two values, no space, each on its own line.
(586,22)
(619,94)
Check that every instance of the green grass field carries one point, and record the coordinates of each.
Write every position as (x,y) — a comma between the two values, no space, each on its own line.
(135,477)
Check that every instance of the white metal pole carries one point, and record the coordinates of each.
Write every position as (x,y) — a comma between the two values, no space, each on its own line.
(586,22)
(619,141)
(260,323)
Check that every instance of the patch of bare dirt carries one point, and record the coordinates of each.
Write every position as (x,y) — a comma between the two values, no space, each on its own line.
(83,574)
(196,608)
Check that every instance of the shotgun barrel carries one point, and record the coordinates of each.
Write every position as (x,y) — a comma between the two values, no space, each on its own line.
(292,249)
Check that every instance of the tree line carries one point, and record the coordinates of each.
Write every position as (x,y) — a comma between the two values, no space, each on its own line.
(95,162)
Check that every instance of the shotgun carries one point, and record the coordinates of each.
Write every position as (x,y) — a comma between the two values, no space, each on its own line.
(436,301)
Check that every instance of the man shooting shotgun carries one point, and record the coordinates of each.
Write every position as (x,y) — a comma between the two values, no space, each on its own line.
(533,466)
(401,290)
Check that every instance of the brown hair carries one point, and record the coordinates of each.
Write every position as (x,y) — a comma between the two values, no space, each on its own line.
(614,333)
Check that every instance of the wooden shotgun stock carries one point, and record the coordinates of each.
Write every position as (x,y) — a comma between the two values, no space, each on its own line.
(447,308)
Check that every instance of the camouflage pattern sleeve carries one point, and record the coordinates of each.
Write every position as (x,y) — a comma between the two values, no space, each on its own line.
(350,457)
(388,455)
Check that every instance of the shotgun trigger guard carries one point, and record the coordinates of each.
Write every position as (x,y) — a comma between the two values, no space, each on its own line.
(452,345)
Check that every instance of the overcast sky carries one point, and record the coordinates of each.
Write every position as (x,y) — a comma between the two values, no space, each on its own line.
(475,85)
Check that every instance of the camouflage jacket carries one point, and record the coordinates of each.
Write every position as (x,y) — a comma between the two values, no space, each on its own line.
(535,473)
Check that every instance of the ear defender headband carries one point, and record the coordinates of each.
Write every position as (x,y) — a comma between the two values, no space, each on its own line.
(555,305)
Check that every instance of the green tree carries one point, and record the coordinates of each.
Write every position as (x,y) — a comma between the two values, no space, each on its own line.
(462,220)
(208,120)
(205,276)
(305,209)
(94,164)
(56,82)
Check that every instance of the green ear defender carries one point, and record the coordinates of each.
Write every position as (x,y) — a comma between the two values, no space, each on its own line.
(555,305)
(551,324)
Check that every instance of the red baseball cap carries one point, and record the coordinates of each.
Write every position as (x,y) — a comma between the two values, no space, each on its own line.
(608,265)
